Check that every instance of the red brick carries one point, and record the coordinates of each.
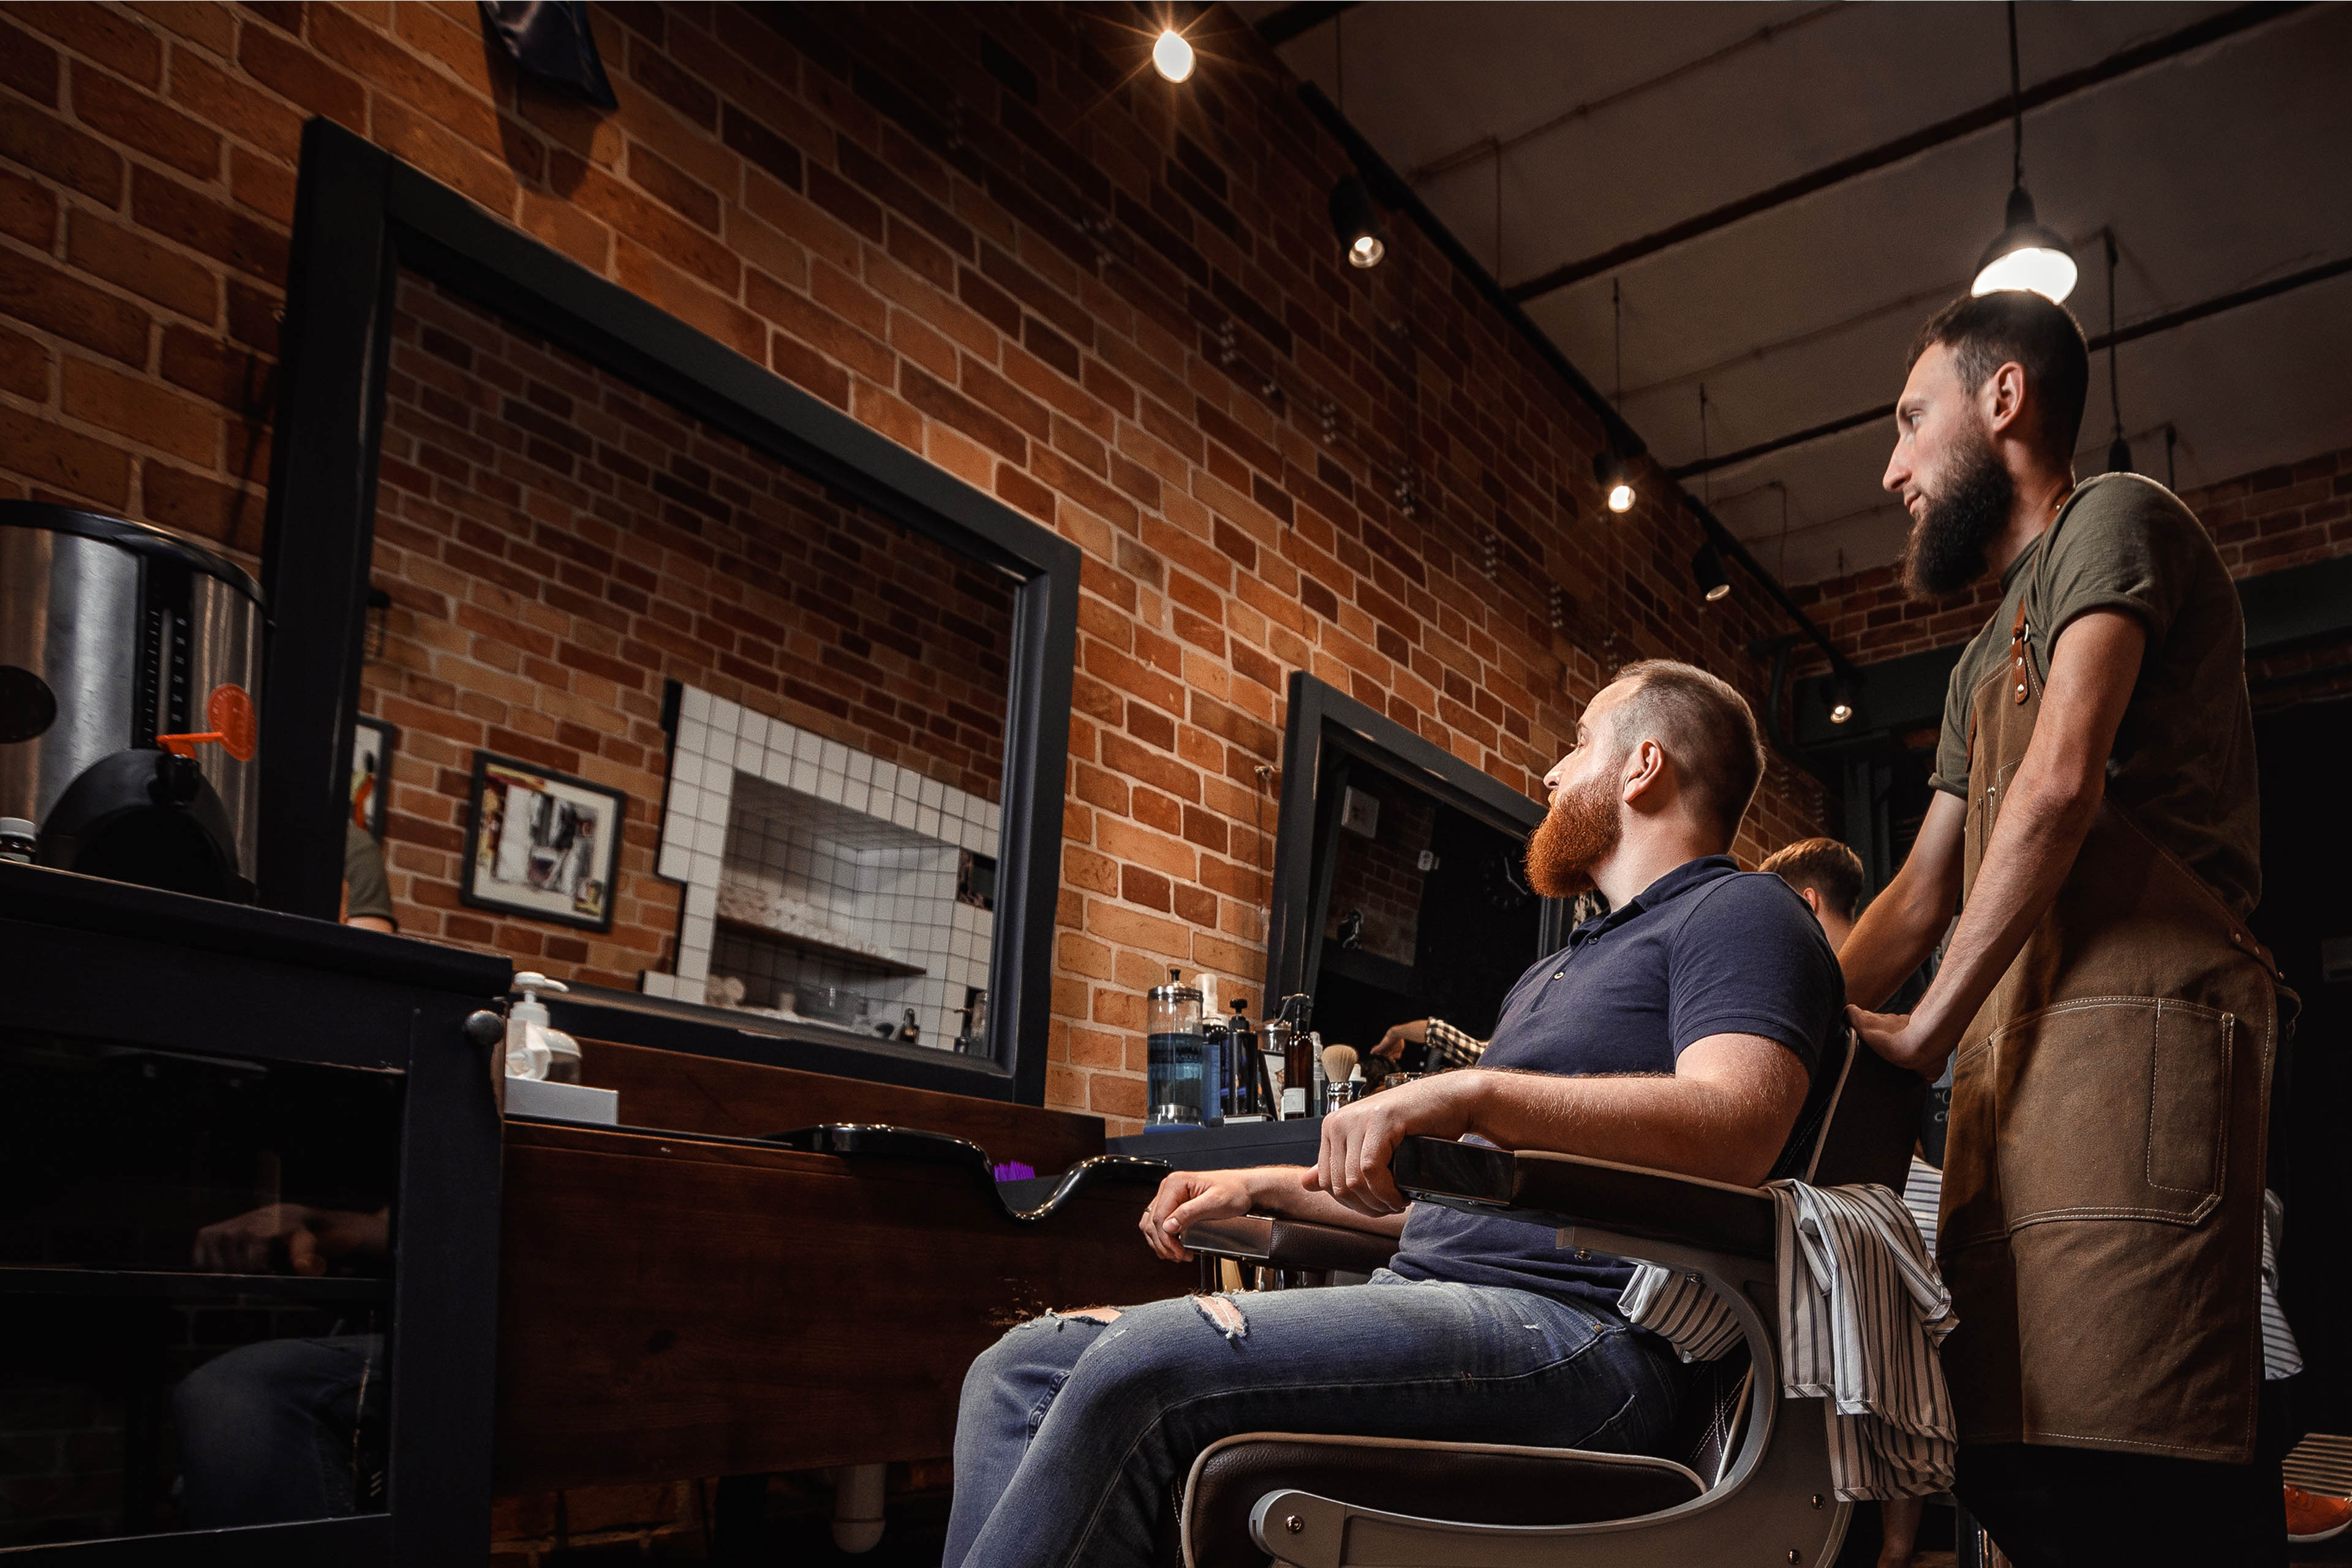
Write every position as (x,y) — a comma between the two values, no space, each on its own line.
(242,111)
(42,143)
(28,65)
(24,366)
(28,211)
(202,506)
(138,409)
(121,256)
(164,206)
(38,293)
(285,67)
(140,121)
(51,454)
(114,40)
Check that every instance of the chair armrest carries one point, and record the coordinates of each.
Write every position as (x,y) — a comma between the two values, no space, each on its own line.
(1279,1243)
(1567,1190)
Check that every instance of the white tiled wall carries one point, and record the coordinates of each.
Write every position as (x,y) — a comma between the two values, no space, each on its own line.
(828,842)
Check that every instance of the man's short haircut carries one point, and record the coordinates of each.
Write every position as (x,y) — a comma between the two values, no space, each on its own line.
(1986,331)
(1707,727)
(1827,866)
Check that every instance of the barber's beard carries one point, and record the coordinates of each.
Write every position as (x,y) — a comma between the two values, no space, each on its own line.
(1577,835)
(1947,543)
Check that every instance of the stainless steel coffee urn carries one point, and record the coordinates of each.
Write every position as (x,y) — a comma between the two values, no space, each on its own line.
(128,700)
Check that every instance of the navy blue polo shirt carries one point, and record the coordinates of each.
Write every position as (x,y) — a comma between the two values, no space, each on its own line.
(1707,949)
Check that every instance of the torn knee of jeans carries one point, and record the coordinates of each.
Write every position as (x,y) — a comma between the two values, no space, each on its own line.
(1223,1314)
(1091,1314)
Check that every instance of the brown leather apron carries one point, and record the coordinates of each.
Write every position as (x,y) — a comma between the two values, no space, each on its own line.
(2102,1183)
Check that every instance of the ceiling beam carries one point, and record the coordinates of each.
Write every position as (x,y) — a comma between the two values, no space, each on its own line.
(2165,323)
(1278,28)
(2196,35)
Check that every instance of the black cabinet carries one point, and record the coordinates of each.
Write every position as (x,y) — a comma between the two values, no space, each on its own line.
(248,1233)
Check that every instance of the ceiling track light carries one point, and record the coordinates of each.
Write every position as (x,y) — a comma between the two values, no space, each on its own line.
(1356,219)
(1707,570)
(2027,254)
(1172,55)
(1616,481)
(1841,695)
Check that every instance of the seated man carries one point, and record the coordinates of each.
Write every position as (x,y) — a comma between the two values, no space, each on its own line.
(1680,1031)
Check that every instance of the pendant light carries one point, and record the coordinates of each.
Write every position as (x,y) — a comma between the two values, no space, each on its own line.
(2119,460)
(1841,699)
(1172,55)
(1610,467)
(2028,254)
(1356,219)
(1707,569)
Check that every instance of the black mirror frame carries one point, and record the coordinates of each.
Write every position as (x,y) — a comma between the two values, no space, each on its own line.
(1323,718)
(361,216)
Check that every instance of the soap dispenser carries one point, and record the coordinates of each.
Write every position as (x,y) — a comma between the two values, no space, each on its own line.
(533,1049)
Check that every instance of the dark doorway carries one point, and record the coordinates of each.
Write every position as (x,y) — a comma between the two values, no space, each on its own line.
(2306,873)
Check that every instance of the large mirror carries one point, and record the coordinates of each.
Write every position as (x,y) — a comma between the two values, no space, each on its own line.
(652,670)
(1399,891)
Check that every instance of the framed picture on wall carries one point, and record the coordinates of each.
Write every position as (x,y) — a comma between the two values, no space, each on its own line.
(540,843)
(373,740)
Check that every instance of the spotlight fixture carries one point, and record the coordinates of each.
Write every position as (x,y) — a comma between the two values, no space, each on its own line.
(1841,699)
(1172,55)
(1616,481)
(1356,219)
(1707,567)
(2027,254)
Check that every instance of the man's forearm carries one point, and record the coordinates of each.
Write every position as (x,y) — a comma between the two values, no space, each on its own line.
(1282,1190)
(1899,929)
(1666,1122)
(2041,831)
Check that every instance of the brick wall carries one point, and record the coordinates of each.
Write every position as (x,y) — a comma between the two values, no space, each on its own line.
(988,232)
(2264,521)
(558,544)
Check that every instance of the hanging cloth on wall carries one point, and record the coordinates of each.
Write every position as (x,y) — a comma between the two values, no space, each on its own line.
(550,39)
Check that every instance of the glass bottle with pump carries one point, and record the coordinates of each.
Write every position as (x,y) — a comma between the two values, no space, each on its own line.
(1172,1054)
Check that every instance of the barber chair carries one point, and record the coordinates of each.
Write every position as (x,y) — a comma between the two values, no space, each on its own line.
(1745,1482)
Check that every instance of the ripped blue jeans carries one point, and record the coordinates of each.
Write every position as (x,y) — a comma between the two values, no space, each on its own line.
(1072,1433)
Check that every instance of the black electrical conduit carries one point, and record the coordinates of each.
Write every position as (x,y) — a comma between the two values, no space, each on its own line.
(1394,194)
(2148,328)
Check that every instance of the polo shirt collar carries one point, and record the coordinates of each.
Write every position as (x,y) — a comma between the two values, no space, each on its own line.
(1673,884)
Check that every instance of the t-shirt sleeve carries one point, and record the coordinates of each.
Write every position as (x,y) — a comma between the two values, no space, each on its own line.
(1951,775)
(2121,548)
(1752,960)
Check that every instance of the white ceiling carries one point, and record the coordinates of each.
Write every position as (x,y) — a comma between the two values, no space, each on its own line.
(2217,170)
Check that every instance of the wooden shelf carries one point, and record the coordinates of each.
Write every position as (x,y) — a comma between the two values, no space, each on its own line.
(170,1284)
(880,963)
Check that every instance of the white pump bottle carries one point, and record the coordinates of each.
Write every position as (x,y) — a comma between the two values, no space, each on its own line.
(532,1046)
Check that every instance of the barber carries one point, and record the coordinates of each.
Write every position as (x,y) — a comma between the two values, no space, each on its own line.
(2115,1022)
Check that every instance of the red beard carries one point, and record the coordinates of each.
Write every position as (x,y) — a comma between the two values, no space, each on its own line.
(1577,834)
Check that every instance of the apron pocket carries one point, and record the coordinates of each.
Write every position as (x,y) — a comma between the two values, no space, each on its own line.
(2115,1107)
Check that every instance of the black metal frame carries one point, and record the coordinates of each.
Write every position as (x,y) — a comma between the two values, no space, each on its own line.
(111,961)
(483,762)
(378,806)
(361,216)
(1324,718)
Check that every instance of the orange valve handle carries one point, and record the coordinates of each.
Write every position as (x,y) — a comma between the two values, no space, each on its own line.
(185,745)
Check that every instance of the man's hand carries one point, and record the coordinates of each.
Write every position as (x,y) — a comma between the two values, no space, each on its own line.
(311,1239)
(1359,1138)
(1398,1037)
(1902,1040)
(1188,1196)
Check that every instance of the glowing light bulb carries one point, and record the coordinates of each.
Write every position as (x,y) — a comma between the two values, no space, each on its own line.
(2049,273)
(1841,711)
(1620,497)
(1172,56)
(1366,251)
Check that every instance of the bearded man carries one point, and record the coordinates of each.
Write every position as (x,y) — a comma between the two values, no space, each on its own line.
(2115,1022)
(1681,1030)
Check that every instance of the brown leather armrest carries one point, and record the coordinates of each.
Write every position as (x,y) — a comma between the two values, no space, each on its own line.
(1566,1190)
(1279,1243)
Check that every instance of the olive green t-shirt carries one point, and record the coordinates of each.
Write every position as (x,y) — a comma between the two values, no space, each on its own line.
(2183,763)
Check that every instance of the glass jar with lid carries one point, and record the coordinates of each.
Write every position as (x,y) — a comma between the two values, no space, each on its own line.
(1173,1069)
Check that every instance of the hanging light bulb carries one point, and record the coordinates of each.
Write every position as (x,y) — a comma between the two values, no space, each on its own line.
(1616,481)
(1172,55)
(1707,569)
(2027,254)
(1840,701)
(1356,219)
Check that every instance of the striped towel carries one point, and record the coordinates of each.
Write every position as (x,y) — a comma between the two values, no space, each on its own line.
(1861,1313)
